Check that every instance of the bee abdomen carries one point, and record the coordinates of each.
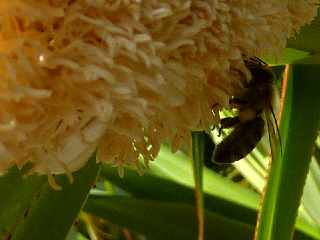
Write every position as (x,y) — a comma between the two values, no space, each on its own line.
(241,141)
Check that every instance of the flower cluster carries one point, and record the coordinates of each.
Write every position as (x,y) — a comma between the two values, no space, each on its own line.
(123,76)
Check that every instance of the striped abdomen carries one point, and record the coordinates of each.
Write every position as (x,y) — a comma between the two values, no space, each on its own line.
(241,141)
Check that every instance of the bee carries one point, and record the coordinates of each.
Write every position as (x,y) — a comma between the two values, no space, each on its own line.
(249,125)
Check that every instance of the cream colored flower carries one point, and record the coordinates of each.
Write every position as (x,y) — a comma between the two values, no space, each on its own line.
(124,76)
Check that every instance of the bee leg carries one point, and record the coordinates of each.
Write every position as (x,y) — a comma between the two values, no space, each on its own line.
(228,123)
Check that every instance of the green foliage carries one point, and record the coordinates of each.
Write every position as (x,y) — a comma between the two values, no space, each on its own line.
(198,154)
(308,38)
(160,189)
(164,220)
(30,207)
(299,127)
(152,187)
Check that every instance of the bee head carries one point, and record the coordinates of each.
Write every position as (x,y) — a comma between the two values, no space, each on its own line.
(261,75)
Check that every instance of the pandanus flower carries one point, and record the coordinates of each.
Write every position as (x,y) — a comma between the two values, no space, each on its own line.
(121,77)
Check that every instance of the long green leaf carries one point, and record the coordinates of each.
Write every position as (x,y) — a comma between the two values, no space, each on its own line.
(311,193)
(162,220)
(176,167)
(38,211)
(198,145)
(152,187)
(288,172)
(289,55)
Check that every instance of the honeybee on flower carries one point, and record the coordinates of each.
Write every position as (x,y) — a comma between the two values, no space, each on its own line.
(122,77)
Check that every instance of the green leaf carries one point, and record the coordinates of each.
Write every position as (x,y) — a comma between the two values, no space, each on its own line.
(153,187)
(35,210)
(289,55)
(308,38)
(16,193)
(299,127)
(198,144)
(74,235)
(164,220)
(311,193)
(176,167)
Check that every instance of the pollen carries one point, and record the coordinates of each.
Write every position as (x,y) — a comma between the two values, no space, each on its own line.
(121,77)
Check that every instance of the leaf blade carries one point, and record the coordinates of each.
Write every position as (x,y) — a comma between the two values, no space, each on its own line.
(50,214)
(288,173)
(163,220)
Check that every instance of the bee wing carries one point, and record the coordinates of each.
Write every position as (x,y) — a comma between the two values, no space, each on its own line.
(273,131)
